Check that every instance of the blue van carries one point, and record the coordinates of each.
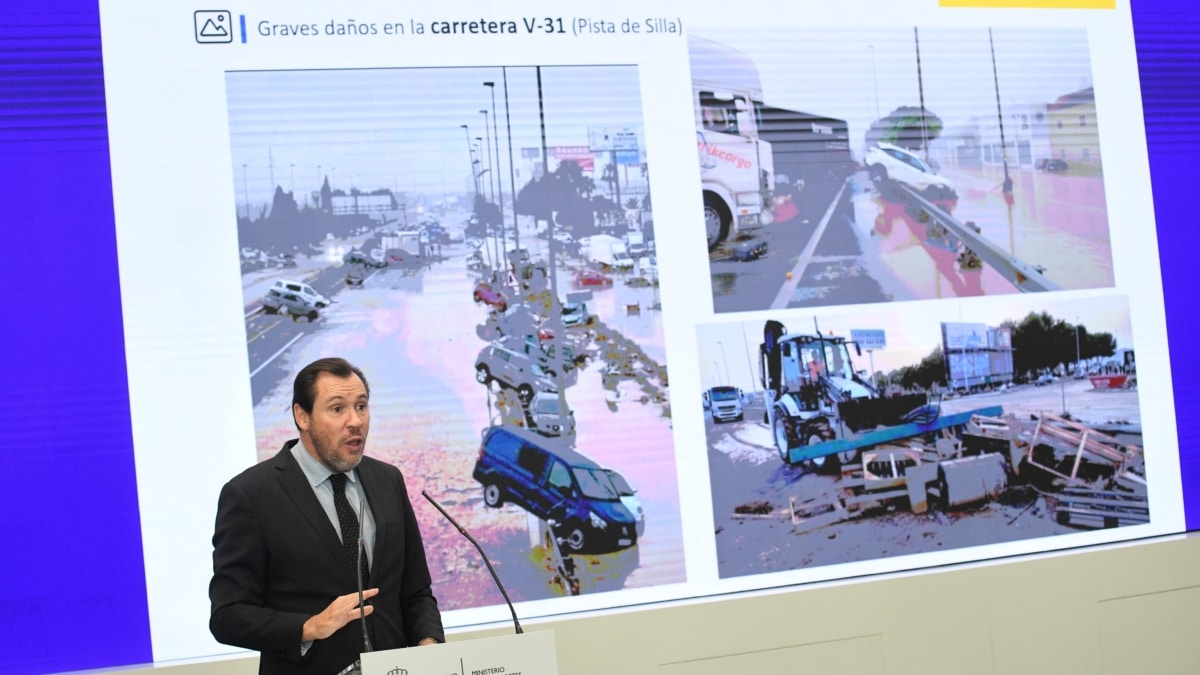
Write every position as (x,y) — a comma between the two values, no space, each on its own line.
(555,483)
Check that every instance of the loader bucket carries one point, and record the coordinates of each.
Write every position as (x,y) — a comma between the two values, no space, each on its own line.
(866,414)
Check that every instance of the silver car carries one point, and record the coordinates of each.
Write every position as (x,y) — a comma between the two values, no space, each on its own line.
(292,304)
(545,416)
(513,370)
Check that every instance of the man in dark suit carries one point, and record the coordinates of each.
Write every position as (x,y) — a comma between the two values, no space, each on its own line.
(286,545)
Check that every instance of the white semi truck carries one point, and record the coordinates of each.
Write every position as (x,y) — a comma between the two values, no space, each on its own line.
(736,167)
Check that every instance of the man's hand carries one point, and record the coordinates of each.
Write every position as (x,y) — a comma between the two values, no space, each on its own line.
(340,612)
(427,641)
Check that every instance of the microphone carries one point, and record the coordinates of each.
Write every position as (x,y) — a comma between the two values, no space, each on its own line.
(362,608)
(495,577)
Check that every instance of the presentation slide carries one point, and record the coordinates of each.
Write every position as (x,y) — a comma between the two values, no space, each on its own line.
(925,324)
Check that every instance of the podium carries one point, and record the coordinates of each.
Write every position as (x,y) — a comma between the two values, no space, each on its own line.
(527,654)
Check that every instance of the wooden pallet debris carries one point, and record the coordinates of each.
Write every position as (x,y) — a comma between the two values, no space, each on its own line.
(1086,507)
(994,434)
(1086,444)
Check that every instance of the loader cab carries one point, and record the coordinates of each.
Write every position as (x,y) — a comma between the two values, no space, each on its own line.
(837,359)
(802,365)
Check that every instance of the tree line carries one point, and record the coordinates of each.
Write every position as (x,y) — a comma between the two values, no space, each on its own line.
(1040,342)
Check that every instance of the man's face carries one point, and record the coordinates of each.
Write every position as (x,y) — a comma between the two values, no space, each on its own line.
(336,431)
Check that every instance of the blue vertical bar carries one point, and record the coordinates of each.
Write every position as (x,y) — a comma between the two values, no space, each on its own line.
(242,24)
(1168,49)
(74,582)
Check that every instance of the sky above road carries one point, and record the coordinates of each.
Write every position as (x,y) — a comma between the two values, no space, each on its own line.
(400,128)
(860,74)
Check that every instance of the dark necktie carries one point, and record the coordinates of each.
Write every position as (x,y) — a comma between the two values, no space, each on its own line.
(348,522)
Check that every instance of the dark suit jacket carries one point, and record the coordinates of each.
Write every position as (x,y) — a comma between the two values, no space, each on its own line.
(277,560)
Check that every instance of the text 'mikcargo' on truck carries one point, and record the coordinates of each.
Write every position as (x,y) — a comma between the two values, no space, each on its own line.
(736,167)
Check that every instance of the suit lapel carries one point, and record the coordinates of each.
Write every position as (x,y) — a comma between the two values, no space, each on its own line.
(295,484)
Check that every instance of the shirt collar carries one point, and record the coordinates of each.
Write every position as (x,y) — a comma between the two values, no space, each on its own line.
(314,471)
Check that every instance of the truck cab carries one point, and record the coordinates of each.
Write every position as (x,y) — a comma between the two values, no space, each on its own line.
(725,403)
(736,166)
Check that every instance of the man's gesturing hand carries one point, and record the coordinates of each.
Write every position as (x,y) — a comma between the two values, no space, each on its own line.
(340,612)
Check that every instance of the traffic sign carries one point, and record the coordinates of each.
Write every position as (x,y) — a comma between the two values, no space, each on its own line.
(869,339)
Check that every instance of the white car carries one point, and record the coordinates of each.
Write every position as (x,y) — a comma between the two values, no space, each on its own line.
(576,314)
(889,162)
(303,290)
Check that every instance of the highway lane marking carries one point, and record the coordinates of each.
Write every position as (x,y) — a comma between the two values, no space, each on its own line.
(275,355)
(264,331)
(806,256)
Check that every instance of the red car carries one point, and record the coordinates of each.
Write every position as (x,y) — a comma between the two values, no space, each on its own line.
(590,277)
(489,295)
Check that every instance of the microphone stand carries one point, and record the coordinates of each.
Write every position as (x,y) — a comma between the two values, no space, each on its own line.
(362,608)
(495,577)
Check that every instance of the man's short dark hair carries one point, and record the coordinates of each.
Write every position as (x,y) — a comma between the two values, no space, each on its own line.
(304,389)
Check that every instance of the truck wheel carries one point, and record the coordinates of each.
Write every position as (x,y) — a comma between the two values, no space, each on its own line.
(493,496)
(312,316)
(525,393)
(824,464)
(784,431)
(819,432)
(482,375)
(716,220)
(878,173)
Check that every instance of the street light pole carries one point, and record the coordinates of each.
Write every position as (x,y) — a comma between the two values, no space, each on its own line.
(512,178)
(496,135)
(482,170)
(921,96)
(496,169)
(1008,184)
(749,361)
(470,158)
(728,377)
(477,167)
(488,134)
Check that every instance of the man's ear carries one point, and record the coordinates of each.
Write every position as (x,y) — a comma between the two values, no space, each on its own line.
(302,419)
